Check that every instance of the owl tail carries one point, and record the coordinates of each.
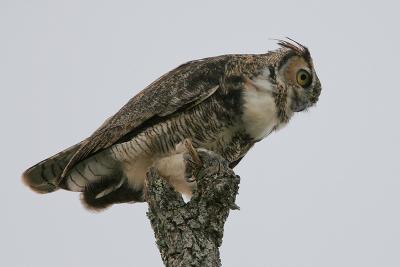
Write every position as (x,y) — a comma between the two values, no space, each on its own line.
(43,176)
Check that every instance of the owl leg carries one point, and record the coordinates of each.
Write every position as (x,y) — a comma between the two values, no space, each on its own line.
(179,174)
(180,168)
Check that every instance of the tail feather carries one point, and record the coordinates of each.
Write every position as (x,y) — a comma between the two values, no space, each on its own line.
(43,176)
(105,192)
(99,178)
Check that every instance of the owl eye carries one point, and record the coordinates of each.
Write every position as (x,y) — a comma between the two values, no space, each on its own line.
(303,78)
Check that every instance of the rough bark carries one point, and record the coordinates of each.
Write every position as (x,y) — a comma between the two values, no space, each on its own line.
(190,234)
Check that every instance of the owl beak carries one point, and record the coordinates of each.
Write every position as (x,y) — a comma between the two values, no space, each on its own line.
(298,106)
(300,109)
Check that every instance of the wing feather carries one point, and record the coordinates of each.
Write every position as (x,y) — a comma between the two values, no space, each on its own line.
(187,85)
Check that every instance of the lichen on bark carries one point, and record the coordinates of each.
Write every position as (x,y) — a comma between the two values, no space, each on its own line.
(190,234)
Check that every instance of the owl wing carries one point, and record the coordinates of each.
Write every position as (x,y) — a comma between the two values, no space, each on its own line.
(183,87)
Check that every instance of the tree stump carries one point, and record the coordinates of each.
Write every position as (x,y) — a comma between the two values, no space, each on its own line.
(190,234)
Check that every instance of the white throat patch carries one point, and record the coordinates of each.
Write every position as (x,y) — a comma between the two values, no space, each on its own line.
(259,114)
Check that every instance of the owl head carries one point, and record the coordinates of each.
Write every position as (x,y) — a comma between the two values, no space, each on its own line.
(294,70)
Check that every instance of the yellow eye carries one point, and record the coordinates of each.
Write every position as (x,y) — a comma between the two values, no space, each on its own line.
(303,78)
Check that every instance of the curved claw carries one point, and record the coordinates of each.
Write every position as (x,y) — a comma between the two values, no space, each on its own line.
(193,160)
(193,153)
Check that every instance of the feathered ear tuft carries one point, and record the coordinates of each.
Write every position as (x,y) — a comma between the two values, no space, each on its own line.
(298,48)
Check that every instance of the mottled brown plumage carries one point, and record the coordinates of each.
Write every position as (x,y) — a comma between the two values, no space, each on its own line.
(225,104)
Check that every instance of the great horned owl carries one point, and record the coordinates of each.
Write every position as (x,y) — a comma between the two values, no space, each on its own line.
(224,104)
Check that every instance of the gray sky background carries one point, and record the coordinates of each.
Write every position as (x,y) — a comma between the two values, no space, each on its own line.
(323,191)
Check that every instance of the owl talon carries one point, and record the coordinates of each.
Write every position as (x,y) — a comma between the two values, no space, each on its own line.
(192,161)
(190,167)
(193,153)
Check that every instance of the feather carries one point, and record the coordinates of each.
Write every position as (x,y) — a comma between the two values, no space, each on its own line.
(298,48)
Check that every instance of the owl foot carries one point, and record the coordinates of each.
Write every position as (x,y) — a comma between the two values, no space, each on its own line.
(192,162)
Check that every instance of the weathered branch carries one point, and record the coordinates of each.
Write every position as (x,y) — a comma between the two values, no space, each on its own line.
(189,234)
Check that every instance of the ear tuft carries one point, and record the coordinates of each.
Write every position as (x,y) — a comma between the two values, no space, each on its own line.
(298,48)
